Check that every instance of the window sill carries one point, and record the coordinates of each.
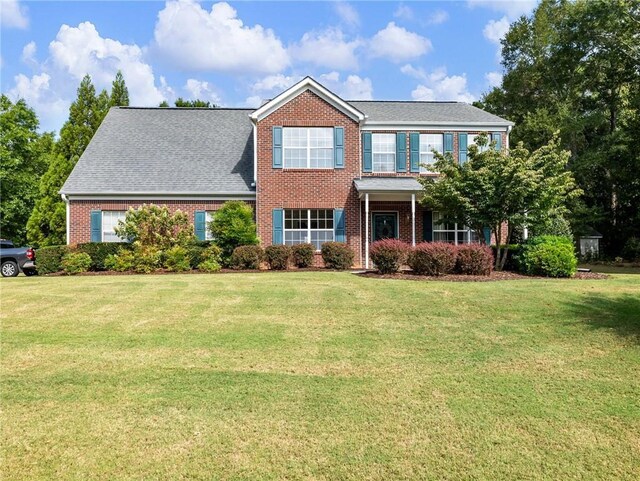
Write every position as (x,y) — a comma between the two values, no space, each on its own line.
(302,169)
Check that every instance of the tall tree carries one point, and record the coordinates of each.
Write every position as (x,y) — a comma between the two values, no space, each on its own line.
(46,225)
(197,103)
(23,160)
(572,67)
(119,92)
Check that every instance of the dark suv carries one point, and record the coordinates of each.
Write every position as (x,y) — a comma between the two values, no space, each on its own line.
(13,260)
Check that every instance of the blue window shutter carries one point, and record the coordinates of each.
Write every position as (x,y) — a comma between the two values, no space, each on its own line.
(497,138)
(448,143)
(462,148)
(487,235)
(367,157)
(277,147)
(201,224)
(340,232)
(96,226)
(414,151)
(401,152)
(278,231)
(427,226)
(338,147)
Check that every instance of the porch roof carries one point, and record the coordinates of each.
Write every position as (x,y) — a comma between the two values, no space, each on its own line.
(387,185)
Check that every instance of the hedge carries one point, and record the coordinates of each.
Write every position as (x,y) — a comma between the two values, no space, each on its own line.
(432,258)
(388,255)
(49,259)
(337,255)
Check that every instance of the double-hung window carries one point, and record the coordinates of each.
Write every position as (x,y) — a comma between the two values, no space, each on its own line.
(471,140)
(429,143)
(383,148)
(307,148)
(110,220)
(208,218)
(314,226)
(452,232)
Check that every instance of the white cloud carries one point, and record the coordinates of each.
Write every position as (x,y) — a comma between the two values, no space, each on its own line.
(437,85)
(201,90)
(494,79)
(81,50)
(437,17)
(352,88)
(39,95)
(29,53)
(403,12)
(13,15)
(495,30)
(512,8)
(275,83)
(327,48)
(347,13)
(253,101)
(194,39)
(398,44)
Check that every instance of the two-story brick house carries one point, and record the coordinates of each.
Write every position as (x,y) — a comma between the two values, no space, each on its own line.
(315,167)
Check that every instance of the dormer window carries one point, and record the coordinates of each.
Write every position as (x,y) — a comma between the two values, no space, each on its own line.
(308,148)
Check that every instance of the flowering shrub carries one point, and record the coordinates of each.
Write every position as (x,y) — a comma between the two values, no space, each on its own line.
(474,259)
(303,254)
(277,256)
(337,255)
(155,226)
(247,257)
(388,255)
(432,258)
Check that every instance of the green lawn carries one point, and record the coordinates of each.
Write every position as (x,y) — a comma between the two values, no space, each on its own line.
(319,376)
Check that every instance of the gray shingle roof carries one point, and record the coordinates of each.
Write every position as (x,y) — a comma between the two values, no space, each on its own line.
(387,184)
(424,112)
(165,151)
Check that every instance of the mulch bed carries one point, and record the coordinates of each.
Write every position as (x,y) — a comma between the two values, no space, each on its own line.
(495,276)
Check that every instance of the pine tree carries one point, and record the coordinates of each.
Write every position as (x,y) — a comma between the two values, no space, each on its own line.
(119,92)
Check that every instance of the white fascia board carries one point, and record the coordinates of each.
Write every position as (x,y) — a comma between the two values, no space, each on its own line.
(160,197)
(307,83)
(441,126)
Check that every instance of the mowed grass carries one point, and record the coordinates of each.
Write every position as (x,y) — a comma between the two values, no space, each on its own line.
(319,375)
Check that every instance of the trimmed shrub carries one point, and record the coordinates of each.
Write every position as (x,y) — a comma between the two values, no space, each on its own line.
(432,258)
(210,259)
(303,255)
(146,259)
(209,266)
(631,250)
(550,256)
(247,257)
(194,254)
(76,262)
(474,260)
(388,255)
(233,226)
(177,259)
(99,251)
(337,255)
(121,262)
(278,256)
(49,259)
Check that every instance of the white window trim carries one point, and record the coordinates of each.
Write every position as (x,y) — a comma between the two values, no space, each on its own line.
(455,230)
(102,230)
(208,217)
(373,154)
(308,166)
(308,229)
(424,170)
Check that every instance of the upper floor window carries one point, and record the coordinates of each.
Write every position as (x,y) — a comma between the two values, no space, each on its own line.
(308,148)
(471,140)
(383,147)
(429,143)
(110,220)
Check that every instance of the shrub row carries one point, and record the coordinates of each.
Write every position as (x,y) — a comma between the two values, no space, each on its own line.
(336,255)
(431,258)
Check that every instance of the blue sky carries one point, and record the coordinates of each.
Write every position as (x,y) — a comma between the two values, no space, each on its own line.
(238,53)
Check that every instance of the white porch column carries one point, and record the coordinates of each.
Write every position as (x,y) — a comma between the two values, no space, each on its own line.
(366,231)
(413,219)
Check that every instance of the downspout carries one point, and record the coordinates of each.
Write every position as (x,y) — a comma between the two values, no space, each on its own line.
(255,170)
(68,217)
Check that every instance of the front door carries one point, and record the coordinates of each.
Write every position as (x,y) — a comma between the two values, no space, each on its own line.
(385,226)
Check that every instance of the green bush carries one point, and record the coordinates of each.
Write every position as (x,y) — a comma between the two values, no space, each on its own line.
(247,257)
(99,251)
(194,254)
(432,258)
(278,257)
(146,259)
(210,259)
(76,262)
(177,259)
(156,226)
(550,256)
(337,255)
(233,226)
(302,255)
(49,259)
(120,262)
(631,250)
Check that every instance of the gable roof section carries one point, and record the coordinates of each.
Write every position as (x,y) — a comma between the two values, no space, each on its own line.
(417,112)
(166,151)
(307,83)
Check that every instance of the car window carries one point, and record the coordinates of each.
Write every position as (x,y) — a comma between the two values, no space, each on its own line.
(6,245)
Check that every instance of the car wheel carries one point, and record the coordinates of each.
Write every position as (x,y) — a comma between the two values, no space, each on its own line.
(30,272)
(9,269)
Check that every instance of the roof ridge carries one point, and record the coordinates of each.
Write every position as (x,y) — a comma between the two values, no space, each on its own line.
(412,101)
(128,107)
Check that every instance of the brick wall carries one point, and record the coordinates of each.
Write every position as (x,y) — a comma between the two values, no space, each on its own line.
(80,212)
